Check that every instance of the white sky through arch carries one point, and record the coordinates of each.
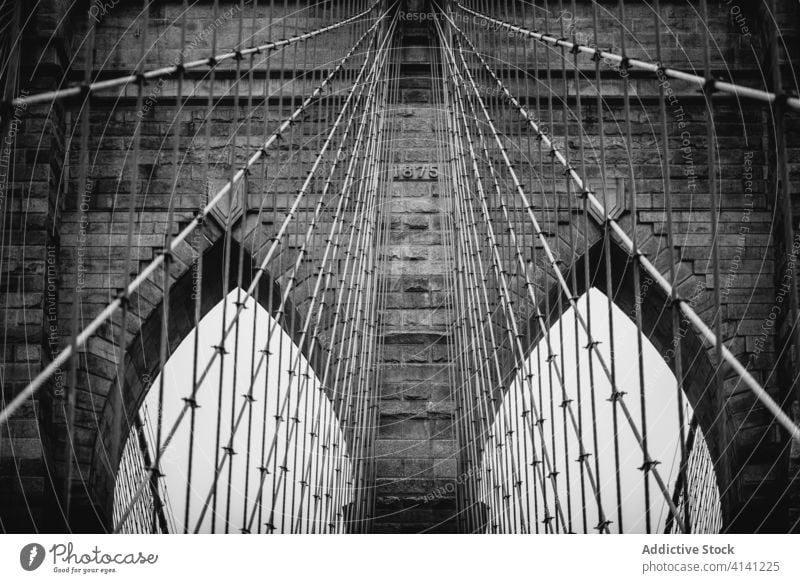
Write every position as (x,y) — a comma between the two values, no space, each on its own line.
(305,461)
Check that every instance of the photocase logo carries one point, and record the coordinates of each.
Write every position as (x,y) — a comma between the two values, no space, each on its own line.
(31,556)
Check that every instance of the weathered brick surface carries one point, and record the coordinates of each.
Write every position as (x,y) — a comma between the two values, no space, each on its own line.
(29,472)
(46,194)
(416,441)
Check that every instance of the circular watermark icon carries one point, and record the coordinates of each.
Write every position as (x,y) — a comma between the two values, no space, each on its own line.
(32,556)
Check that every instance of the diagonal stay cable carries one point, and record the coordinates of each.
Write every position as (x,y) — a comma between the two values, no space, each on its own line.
(467,304)
(209,62)
(472,222)
(511,318)
(496,263)
(284,299)
(333,241)
(616,394)
(151,268)
(624,239)
(370,107)
(583,457)
(276,240)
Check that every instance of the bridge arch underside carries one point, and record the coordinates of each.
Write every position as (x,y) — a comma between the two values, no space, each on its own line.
(748,450)
(92,510)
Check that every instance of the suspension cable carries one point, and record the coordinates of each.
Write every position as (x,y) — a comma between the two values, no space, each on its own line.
(709,83)
(145,274)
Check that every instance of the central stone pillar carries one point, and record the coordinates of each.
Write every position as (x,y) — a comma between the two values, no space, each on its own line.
(416,448)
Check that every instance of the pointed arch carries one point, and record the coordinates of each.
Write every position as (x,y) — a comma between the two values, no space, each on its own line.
(523,494)
(143,364)
(244,403)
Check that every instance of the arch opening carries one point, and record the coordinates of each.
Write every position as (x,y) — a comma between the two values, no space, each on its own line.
(281,457)
(555,492)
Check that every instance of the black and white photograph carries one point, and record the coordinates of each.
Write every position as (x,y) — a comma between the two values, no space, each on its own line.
(400,267)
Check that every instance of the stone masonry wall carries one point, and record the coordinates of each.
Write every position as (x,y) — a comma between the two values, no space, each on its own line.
(416,443)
